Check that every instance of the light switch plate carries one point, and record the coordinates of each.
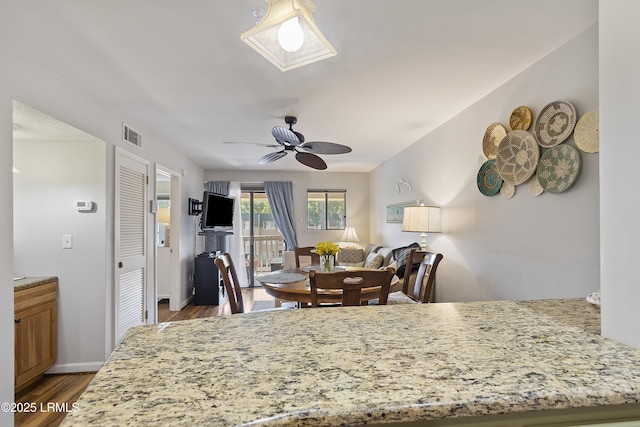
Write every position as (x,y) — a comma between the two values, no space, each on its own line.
(67,241)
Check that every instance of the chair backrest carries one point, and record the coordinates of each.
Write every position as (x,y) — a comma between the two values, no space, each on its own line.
(415,257)
(351,283)
(231,284)
(422,289)
(306,251)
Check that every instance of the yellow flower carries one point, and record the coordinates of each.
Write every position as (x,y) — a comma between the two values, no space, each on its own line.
(327,248)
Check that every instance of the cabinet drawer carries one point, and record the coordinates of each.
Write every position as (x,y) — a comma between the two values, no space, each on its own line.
(32,297)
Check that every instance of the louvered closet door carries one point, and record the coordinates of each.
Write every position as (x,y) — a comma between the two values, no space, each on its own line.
(131,249)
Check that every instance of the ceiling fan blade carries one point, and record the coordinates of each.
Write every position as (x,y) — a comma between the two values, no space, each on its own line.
(311,160)
(285,136)
(321,147)
(272,157)
(252,143)
(300,136)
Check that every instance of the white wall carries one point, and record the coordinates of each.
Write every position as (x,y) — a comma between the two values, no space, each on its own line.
(620,201)
(494,248)
(355,183)
(6,258)
(53,174)
(28,80)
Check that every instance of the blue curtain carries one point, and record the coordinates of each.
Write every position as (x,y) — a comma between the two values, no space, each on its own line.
(216,243)
(280,196)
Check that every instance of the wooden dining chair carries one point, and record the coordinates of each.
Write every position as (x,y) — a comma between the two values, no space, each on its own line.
(306,251)
(231,283)
(422,290)
(351,283)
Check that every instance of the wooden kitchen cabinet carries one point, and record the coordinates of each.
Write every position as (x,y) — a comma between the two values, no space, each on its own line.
(36,331)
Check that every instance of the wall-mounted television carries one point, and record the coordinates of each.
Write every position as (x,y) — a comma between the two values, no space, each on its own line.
(217,212)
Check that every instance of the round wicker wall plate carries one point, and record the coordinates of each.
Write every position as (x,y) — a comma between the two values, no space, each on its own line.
(555,123)
(507,190)
(559,167)
(517,157)
(520,118)
(587,132)
(492,137)
(489,180)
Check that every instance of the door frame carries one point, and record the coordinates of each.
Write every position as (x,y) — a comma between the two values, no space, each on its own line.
(175,220)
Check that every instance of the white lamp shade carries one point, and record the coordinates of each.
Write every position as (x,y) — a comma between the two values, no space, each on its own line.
(349,235)
(264,36)
(421,219)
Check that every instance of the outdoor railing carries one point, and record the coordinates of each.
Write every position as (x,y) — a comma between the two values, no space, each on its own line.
(268,250)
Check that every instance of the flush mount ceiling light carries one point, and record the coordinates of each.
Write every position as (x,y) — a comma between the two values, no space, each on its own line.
(287,36)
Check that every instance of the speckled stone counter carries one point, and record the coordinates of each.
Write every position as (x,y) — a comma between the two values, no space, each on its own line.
(355,365)
(32,282)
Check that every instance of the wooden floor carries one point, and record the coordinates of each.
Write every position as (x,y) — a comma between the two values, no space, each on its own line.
(54,395)
(250,296)
(47,402)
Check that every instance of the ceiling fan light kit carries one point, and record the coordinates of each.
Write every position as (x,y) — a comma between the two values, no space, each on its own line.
(306,152)
(287,36)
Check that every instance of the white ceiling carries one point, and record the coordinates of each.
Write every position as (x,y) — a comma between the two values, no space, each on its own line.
(179,69)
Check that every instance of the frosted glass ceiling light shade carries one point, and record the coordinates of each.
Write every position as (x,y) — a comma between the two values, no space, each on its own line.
(287,36)
(422,219)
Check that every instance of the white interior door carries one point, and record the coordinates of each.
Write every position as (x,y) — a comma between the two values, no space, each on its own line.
(131,200)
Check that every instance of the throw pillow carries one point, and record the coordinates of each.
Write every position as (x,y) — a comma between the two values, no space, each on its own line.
(373,261)
(400,256)
(350,256)
(393,265)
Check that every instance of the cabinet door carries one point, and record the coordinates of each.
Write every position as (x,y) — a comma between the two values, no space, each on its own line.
(35,341)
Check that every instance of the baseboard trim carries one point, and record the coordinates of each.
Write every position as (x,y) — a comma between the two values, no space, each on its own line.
(186,302)
(74,368)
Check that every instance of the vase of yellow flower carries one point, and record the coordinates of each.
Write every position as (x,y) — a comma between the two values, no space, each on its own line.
(327,252)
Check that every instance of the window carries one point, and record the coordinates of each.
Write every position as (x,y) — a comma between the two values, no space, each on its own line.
(326,209)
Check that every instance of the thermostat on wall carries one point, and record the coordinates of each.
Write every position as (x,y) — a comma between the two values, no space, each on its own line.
(84,205)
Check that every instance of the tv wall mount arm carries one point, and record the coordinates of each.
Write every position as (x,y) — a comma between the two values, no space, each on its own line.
(195,206)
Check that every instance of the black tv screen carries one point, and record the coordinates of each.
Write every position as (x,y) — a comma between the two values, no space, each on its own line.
(217,212)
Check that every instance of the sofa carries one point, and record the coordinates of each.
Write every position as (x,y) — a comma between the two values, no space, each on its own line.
(372,256)
(375,256)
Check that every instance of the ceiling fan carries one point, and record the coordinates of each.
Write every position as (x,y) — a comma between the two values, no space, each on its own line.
(306,152)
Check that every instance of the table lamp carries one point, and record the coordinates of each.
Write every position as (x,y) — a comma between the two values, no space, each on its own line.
(423,220)
(349,236)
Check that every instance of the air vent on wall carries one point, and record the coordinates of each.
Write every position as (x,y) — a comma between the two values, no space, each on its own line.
(131,136)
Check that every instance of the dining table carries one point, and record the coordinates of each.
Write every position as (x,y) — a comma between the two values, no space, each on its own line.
(293,285)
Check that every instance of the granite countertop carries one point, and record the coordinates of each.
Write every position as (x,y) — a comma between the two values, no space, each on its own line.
(23,283)
(354,365)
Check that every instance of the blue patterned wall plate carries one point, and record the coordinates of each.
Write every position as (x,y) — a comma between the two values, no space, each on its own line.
(555,123)
(558,168)
(489,180)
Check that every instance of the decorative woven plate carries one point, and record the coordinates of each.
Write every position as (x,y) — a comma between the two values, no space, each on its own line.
(559,168)
(587,132)
(492,137)
(489,180)
(507,190)
(520,118)
(555,123)
(534,185)
(517,157)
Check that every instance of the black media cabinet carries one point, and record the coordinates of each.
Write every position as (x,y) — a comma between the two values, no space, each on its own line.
(208,286)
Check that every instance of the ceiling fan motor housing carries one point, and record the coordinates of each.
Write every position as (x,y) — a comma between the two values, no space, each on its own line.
(290,120)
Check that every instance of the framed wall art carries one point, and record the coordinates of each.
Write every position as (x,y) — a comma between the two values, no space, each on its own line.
(395,211)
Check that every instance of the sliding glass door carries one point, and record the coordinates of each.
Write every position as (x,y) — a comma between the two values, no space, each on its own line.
(263,242)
